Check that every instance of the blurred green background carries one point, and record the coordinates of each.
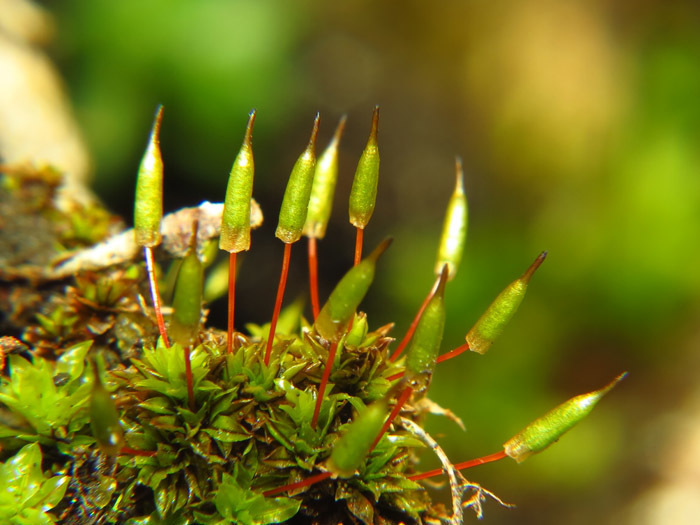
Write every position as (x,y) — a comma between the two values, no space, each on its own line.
(579,126)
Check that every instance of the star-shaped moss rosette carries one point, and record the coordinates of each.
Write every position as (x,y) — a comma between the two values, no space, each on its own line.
(115,412)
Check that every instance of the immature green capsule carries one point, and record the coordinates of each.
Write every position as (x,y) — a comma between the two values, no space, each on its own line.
(104,418)
(492,322)
(323,188)
(235,221)
(352,448)
(421,356)
(187,303)
(363,194)
(334,317)
(454,230)
(148,203)
(547,429)
(295,202)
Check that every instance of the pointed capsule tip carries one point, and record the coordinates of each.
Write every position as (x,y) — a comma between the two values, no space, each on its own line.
(442,281)
(533,267)
(339,129)
(375,126)
(193,237)
(607,388)
(314,131)
(247,140)
(459,175)
(155,134)
(379,250)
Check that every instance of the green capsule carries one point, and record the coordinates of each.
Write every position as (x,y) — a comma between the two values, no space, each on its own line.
(235,221)
(187,302)
(148,203)
(454,230)
(352,448)
(104,418)
(421,356)
(547,429)
(325,177)
(295,202)
(500,311)
(333,319)
(363,194)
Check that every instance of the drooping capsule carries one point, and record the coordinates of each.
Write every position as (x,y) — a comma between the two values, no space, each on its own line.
(323,188)
(547,429)
(295,202)
(352,448)
(104,418)
(235,221)
(421,356)
(333,320)
(492,322)
(363,194)
(187,302)
(148,203)
(454,230)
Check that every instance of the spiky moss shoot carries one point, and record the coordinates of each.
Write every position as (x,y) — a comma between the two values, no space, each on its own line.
(288,423)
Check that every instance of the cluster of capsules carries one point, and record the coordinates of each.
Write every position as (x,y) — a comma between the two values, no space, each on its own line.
(305,210)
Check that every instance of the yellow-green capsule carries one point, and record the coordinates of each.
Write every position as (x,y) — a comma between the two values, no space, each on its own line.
(104,418)
(363,194)
(235,221)
(421,356)
(500,311)
(148,203)
(295,202)
(187,302)
(333,319)
(352,448)
(323,188)
(547,429)
(454,230)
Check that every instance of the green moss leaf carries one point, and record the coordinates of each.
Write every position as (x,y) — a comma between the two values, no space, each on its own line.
(26,494)
(243,506)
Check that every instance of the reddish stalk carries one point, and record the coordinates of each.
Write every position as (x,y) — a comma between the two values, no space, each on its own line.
(278,301)
(155,295)
(188,378)
(313,277)
(324,382)
(299,484)
(359,237)
(231,299)
(414,324)
(444,357)
(400,402)
(133,452)
(453,353)
(460,466)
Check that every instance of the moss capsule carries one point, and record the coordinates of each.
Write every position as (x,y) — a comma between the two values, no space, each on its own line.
(235,222)
(333,320)
(454,230)
(363,194)
(350,451)
(295,202)
(323,188)
(492,322)
(148,203)
(187,302)
(547,429)
(421,356)
(104,418)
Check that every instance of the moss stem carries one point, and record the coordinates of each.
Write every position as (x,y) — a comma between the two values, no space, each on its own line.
(278,301)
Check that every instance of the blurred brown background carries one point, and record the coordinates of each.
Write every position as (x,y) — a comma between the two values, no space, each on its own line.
(579,126)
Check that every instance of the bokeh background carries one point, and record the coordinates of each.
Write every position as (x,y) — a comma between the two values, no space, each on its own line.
(579,126)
